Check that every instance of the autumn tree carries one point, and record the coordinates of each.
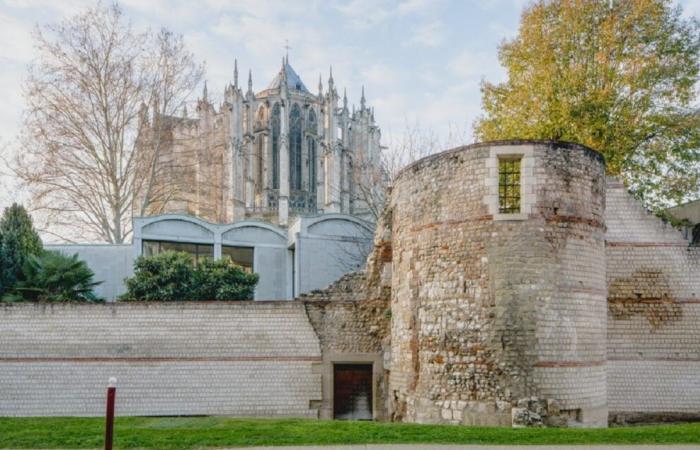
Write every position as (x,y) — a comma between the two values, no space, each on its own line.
(82,159)
(618,76)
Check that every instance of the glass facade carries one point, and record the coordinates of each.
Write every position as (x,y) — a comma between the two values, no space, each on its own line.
(242,256)
(198,252)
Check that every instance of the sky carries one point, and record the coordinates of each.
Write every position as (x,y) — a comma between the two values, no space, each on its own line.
(421,61)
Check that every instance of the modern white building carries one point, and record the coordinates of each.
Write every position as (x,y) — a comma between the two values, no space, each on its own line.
(309,254)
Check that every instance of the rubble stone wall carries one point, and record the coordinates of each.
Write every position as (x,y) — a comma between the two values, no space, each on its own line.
(351,318)
(499,322)
(653,278)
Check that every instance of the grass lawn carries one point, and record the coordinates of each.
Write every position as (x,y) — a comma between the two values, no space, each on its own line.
(198,432)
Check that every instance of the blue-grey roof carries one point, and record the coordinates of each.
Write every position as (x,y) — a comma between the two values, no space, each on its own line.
(293,80)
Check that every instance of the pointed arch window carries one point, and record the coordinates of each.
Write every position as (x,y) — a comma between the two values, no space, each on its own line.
(295,136)
(275,125)
(311,145)
(258,162)
(311,125)
(260,118)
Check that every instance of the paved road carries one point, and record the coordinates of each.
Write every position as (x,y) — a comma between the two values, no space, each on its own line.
(482,447)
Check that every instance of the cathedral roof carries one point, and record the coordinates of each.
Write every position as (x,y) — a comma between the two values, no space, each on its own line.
(293,79)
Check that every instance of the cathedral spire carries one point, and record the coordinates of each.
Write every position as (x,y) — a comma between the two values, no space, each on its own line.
(320,86)
(235,73)
(204,92)
(184,111)
(345,99)
(250,80)
(331,85)
(362,99)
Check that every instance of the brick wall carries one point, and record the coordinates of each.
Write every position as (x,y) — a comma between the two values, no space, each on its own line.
(653,279)
(232,358)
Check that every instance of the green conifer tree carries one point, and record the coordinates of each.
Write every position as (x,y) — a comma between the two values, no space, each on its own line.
(18,241)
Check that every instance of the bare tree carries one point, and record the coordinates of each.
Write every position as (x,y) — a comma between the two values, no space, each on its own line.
(374,178)
(412,144)
(82,159)
(174,78)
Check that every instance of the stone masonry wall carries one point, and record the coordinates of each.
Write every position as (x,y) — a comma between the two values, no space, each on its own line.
(351,318)
(178,358)
(344,319)
(653,278)
(499,322)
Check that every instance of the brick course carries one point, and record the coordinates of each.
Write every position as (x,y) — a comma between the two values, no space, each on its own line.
(653,277)
(489,314)
(177,358)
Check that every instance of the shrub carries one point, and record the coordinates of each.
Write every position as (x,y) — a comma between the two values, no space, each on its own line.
(55,277)
(18,242)
(172,276)
(223,280)
(167,276)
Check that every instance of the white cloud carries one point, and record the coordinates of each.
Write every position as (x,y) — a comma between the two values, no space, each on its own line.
(416,6)
(15,55)
(473,65)
(429,34)
(380,74)
(691,8)
(364,14)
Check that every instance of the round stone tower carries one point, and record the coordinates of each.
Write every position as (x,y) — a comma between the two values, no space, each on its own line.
(498,287)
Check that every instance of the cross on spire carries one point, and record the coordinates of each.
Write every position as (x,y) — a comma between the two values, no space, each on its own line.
(286,49)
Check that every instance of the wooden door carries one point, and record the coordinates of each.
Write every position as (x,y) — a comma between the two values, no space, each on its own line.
(352,391)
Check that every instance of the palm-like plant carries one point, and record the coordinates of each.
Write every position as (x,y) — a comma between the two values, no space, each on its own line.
(55,277)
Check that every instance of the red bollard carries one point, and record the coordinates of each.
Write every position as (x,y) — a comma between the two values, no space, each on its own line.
(109,426)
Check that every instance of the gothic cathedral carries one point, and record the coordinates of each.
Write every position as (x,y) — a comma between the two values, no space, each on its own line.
(271,155)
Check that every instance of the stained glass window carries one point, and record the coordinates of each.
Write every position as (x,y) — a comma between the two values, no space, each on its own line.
(275,146)
(295,133)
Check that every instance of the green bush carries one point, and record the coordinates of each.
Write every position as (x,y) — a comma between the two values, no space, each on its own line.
(54,277)
(172,276)
(223,280)
(18,242)
(167,276)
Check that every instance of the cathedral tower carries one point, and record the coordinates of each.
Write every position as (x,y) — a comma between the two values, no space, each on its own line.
(275,154)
